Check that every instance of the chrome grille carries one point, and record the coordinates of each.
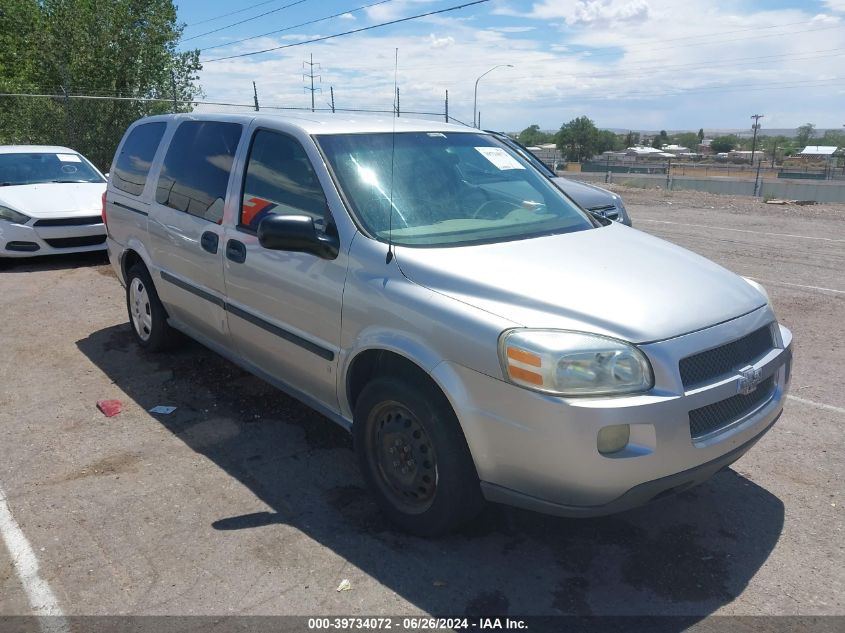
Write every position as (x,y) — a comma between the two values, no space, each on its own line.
(706,420)
(725,359)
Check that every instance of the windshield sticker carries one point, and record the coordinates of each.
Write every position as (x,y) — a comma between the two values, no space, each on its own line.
(499,157)
(69,158)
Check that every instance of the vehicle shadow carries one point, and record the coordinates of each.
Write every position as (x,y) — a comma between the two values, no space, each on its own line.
(683,556)
(52,262)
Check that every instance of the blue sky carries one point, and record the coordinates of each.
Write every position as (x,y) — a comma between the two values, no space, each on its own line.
(637,64)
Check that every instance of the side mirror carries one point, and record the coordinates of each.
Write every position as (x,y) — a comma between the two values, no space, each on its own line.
(298,234)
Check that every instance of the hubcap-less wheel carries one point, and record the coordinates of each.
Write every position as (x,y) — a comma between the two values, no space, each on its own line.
(404,457)
(139,309)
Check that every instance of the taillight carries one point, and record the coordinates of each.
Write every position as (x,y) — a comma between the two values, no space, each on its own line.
(104,215)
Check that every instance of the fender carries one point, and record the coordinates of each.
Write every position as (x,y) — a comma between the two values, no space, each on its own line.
(135,244)
(378,338)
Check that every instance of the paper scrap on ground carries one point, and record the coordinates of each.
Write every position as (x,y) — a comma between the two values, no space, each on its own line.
(163,409)
(110,407)
(344,585)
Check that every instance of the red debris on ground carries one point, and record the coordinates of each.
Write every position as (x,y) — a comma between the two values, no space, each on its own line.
(110,407)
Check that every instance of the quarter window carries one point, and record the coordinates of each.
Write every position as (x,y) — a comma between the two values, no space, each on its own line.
(196,169)
(136,156)
(280,180)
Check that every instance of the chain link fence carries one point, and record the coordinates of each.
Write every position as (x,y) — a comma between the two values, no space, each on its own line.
(93,125)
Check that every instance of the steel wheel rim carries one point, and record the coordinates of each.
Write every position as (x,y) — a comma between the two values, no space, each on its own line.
(140,309)
(403,457)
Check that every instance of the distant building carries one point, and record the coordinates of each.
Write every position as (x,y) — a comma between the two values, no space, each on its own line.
(819,151)
(704,147)
(675,149)
(643,151)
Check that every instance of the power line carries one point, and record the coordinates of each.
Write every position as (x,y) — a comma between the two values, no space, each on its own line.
(365,28)
(260,15)
(296,26)
(226,15)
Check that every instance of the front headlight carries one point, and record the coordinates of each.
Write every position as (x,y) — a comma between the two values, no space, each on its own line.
(10,215)
(573,363)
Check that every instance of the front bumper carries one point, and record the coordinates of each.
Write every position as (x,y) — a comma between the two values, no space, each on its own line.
(540,452)
(29,240)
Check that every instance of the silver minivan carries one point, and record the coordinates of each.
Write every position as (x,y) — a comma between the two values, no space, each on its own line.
(427,288)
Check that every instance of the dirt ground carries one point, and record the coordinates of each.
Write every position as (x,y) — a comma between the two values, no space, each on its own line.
(244,501)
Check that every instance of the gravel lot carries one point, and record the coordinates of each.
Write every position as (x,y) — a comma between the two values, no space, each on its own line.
(245,502)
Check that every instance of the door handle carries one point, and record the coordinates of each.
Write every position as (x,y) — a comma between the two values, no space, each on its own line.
(236,251)
(209,242)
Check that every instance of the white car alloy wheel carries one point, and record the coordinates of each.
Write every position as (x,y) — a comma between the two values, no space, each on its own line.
(140,309)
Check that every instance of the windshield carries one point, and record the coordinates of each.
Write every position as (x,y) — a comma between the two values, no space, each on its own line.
(37,168)
(447,189)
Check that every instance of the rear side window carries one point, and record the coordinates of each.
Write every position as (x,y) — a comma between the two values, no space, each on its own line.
(280,180)
(136,157)
(196,168)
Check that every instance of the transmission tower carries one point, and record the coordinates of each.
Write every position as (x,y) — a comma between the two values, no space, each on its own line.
(310,75)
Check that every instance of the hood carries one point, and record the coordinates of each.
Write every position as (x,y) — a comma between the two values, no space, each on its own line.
(54,199)
(613,280)
(588,196)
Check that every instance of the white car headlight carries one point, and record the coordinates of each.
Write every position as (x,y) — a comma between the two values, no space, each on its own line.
(10,215)
(573,363)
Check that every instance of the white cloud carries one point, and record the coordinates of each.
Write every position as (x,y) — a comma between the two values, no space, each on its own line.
(440,42)
(514,29)
(835,5)
(348,16)
(627,77)
(593,11)
(397,9)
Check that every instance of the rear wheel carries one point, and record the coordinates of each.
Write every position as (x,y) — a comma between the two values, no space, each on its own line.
(414,457)
(147,316)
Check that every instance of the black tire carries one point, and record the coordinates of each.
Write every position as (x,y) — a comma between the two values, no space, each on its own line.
(147,317)
(414,457)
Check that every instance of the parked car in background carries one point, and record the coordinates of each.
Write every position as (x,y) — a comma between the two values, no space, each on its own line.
(594,199)
(50,202)
(487,349)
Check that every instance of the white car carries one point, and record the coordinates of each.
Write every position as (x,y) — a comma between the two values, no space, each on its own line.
(50,202)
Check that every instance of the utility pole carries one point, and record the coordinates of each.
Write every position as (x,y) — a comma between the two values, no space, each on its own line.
(755,127)
(397,102)
(331,92)
(310,75)
(173,85)
(255,95)
(447,106)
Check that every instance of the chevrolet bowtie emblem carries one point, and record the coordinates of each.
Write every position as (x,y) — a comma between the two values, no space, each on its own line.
(749,378)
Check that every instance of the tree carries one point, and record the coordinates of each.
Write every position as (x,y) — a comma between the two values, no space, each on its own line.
(701,135)
(660,140)
(805,133)
(833,137)
(121,48)
(578,139)
(688,140)
(722,144)
(607,141)
(533,135)
(632,139)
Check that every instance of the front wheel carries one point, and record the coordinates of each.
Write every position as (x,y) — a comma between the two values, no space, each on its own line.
(414,457)
(147,315)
